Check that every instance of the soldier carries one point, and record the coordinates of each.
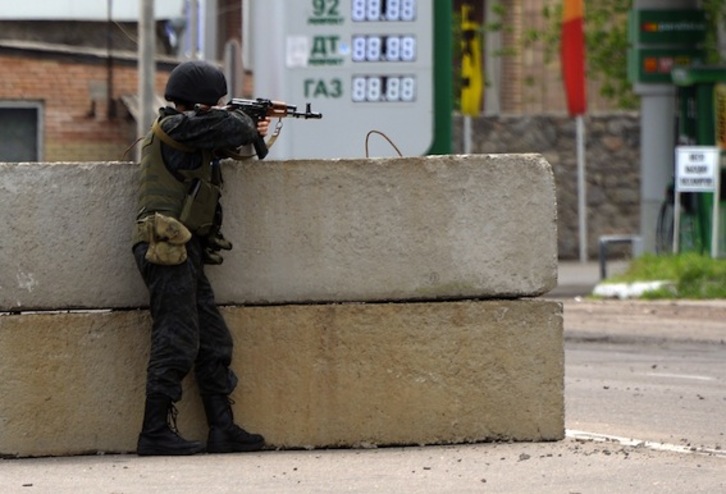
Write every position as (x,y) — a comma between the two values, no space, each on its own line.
(177,232)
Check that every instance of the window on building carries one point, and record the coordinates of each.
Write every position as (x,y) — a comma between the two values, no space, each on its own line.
(20,131)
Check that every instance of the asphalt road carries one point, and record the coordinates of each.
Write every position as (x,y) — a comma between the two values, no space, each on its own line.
(655,371)
(669,392)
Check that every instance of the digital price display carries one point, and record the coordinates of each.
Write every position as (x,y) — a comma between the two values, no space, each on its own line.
(364,64)
(382,48)
(383,10)
(384,88)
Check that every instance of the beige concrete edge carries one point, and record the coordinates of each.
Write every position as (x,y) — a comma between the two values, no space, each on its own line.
(311,376)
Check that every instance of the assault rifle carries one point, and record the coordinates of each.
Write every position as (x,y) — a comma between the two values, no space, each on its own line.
(261,108)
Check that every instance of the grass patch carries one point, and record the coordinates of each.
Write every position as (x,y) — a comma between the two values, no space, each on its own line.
(694,276)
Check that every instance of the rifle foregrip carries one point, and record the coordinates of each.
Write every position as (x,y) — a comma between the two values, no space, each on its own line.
(260,147)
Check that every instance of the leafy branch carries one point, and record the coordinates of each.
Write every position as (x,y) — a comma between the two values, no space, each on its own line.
(606,42)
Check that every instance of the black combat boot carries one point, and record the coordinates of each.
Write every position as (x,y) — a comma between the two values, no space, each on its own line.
(224,435)
(159,435)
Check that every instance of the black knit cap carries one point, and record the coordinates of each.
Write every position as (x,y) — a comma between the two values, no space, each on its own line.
(196,81)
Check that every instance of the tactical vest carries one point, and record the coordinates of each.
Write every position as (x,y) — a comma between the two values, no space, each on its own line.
(191,196)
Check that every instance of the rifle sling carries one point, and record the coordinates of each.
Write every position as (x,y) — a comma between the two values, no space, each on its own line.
(159,132)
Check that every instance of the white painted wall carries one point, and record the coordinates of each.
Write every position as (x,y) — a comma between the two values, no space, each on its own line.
(86,10)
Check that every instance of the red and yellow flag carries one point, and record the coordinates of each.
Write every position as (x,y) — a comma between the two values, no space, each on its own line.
(572,55)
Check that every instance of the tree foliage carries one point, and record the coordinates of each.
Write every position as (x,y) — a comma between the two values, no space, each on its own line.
(715,15)
(606,40)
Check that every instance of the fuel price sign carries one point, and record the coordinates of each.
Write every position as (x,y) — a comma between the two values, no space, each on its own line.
(364,64)
(381,10)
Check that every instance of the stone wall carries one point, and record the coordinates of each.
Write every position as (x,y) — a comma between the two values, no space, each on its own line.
(612,160)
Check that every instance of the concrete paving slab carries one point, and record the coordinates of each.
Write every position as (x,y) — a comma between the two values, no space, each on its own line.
(569,466)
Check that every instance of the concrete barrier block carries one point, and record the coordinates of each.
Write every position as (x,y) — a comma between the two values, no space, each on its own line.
(310,376)
(66,240)
(437,227)
(421,373)
(73,383)
(404,229)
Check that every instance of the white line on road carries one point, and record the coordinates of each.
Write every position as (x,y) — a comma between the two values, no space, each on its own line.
(639,443)
(681,376)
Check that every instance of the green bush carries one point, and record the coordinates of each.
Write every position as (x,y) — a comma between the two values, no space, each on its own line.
(693,276)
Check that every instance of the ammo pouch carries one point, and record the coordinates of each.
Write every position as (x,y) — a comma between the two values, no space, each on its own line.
(166,237)
(198,209)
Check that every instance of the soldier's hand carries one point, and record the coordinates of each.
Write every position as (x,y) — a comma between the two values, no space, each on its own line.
(263,126)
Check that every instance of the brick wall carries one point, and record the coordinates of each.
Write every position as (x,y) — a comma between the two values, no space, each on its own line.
(230,25)
(540,74)
(531,81)
(73,92)
(511,88)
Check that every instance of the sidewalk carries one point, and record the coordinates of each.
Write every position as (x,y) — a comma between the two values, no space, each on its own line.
(575,278)
(569,466)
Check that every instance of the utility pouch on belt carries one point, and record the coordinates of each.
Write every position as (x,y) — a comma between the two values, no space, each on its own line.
(199,206)
(166,237)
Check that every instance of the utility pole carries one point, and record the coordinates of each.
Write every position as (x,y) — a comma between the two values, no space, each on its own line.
(194,29)
(146,70)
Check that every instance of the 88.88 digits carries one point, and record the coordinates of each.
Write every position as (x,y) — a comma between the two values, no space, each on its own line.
(383,88)
(383,48)
(380,10)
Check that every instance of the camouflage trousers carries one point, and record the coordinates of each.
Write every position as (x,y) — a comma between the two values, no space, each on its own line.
(188,331)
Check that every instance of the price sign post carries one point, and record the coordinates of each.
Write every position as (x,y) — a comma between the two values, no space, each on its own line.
(697,170)
(364,64)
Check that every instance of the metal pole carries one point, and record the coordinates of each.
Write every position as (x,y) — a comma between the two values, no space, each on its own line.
(467,134)
(110,107)
(145,69)
(210,32)
(194,29)
(716,209)
(581,187)
(676,222)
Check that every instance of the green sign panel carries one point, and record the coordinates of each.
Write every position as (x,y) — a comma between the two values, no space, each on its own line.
(667,27)
(691,76)
(653,66)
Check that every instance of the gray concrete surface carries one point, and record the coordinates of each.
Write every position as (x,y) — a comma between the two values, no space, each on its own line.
(578,279)
(310,375)
(566,467)
(438,227)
